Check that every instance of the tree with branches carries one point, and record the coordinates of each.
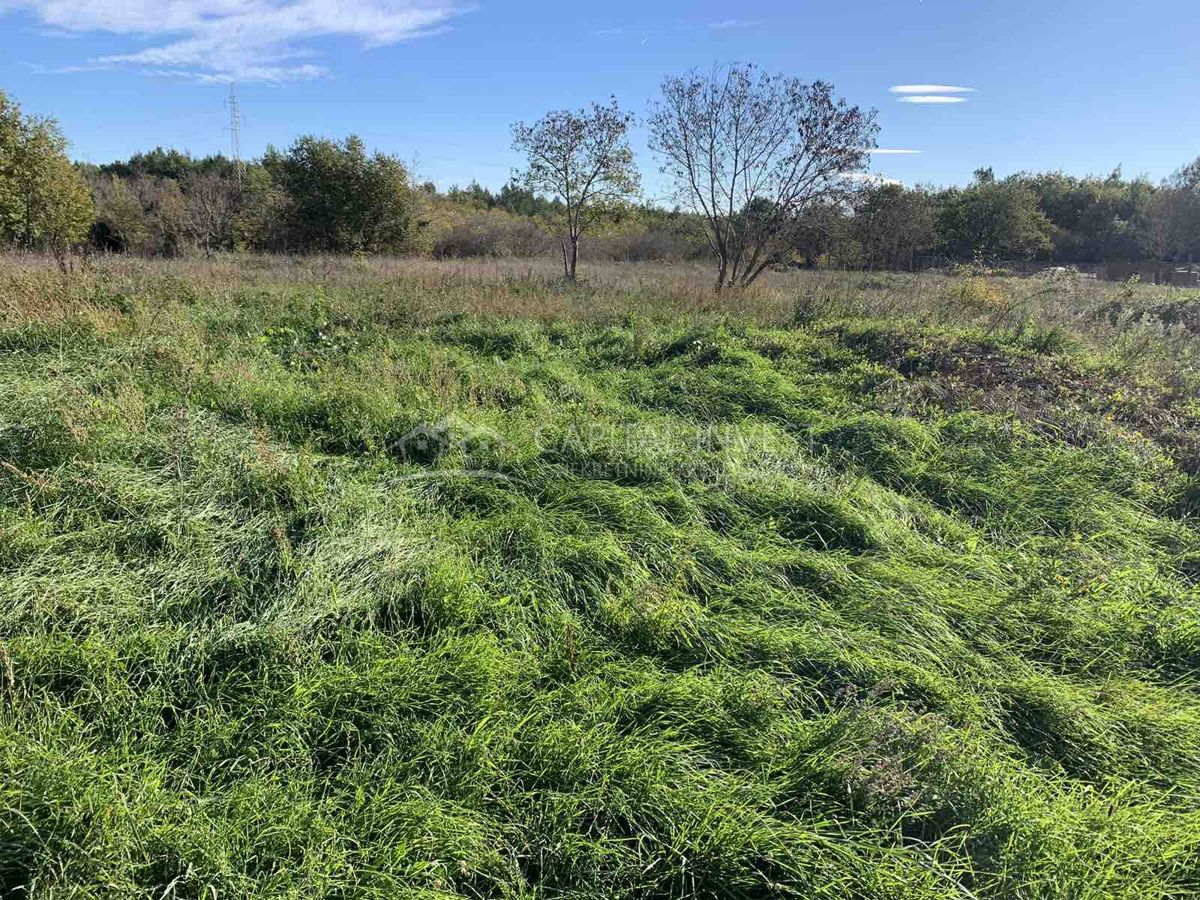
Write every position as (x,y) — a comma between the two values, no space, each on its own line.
(44,201)
(582,159)
(1173,227)
(751,152)
(210,208)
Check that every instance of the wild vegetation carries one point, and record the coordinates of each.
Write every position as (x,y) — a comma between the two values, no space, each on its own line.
(324,195)
(384,573)
(342,577)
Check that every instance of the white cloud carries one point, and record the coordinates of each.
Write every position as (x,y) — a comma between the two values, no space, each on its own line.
(931,98)
(930,89)
(734,23)
(887,151)
(235,40)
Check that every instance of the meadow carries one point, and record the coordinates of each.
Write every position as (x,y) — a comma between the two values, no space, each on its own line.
(385,578)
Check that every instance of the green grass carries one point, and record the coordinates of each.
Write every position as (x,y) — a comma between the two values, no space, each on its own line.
(699,602)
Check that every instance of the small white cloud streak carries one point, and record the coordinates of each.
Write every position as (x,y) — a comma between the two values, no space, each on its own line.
(930,89)
(931,98)
(734,23)
(888,151)
(235,40)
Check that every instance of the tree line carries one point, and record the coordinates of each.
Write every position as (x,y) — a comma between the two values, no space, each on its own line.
(763,170)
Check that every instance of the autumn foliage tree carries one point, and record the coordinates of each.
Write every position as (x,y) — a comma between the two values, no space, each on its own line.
(752,152)
(583,160)
(44,202)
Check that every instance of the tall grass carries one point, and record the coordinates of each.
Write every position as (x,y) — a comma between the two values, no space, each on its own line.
(856,586)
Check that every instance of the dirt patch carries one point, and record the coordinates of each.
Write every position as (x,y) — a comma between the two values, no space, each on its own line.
(1050,395)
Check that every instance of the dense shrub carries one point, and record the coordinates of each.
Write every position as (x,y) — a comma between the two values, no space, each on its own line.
(492,233)
(643,246)
(341,198)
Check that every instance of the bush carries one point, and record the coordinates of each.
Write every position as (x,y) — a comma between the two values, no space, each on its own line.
(977,294)
(497,234)
(494,234)
(341,198)
(642,246)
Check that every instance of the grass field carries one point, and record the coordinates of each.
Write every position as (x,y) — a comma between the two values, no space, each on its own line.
(379,578)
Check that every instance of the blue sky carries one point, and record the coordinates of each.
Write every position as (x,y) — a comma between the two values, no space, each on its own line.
(1081,85)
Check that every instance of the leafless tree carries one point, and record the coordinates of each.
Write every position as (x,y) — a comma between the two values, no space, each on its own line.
(583,160)
(210,204)
(751,152)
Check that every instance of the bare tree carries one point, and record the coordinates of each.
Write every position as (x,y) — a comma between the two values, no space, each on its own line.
(210,204)
(751,152)
(583,160)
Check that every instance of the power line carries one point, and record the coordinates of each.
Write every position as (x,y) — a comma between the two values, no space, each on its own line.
(235,133)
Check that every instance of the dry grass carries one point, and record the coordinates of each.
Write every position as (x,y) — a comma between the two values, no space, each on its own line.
(1135,319)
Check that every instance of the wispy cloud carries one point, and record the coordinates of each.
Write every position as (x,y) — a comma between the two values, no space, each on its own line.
(930,89)
(931,98)
(734,23)
(235,40)
(888,151)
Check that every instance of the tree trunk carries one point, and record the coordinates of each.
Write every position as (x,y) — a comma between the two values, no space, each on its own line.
(570,252)
(751,275)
